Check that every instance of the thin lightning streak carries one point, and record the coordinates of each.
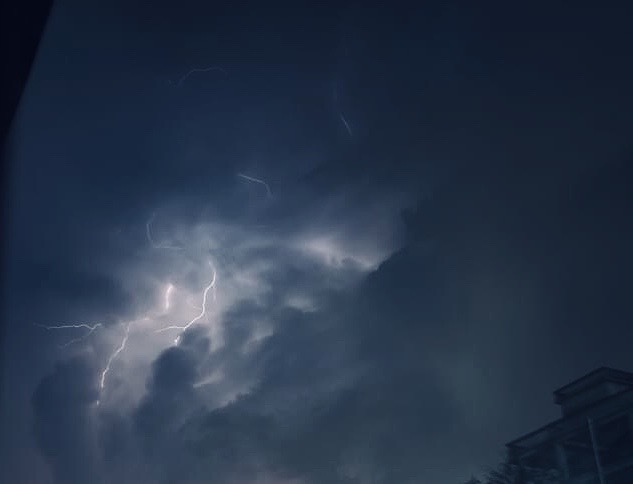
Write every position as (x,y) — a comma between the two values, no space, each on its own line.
(90,327)
(70,326)
(206,69)
(203,311)
(340,113)
(153,243)
(256,180)
(114,355)
(349,130)
(81,338)
(121,347)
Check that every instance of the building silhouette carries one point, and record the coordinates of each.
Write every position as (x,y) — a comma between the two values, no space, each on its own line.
(592,442)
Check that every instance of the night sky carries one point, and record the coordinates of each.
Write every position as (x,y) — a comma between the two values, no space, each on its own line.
(311,244)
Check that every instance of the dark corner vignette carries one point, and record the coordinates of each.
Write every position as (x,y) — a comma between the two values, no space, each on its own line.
(22,25)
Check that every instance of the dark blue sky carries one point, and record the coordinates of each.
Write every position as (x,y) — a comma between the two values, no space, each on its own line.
(442,237)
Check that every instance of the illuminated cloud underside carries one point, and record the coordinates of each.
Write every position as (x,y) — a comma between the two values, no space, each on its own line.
(181,303)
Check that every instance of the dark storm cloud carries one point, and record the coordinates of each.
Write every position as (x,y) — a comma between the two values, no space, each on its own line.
(170,397)
(63,426)
(339,398)
(454,292)
(87,291)
(365,387)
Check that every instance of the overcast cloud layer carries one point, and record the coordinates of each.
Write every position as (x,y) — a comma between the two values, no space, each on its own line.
(394,232)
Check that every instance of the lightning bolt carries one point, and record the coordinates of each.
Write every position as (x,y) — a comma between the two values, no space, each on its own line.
(203,310)
(113,356)
(90,327)
(170,288)
(93,327)
(256,180)
(197,69)
(153,243)
(349,130)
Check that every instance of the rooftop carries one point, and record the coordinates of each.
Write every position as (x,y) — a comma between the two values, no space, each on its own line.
(592,403)
(598,376)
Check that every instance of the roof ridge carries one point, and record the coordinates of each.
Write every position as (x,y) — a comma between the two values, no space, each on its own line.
(614,372)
